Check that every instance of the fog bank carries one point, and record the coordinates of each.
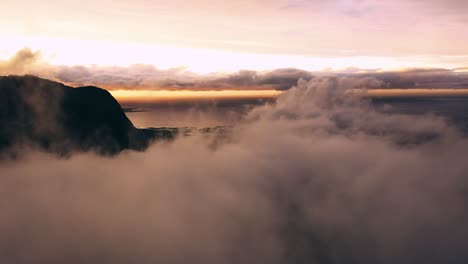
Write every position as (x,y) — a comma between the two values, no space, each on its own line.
(316,177)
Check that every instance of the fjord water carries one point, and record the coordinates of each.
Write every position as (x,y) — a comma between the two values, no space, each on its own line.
(203,114)
(190,114)
(453,108)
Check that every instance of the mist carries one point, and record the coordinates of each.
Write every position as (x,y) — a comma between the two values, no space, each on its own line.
(318,176)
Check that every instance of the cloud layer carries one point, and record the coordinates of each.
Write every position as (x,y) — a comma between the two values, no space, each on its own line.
(317,177)
(142,76)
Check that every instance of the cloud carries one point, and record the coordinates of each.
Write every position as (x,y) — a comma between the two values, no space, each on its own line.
(422,78)
(141,76)
(359,8)
(317,177)
(149,77)
(280,79)
(134,76)
(20,62)
(451,7)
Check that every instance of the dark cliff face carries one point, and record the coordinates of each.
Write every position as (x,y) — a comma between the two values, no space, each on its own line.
(61,119)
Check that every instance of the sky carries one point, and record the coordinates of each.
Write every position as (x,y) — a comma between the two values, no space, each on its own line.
(206,36)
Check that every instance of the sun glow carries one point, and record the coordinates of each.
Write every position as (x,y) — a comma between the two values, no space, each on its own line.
(63,51)
(149,96)
(125,96)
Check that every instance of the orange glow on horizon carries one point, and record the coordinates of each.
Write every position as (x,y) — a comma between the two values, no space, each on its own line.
(186,95)
(148,96)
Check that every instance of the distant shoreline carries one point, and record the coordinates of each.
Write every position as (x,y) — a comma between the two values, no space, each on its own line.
(418,92)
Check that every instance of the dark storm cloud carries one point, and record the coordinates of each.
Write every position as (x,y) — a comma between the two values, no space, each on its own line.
(317,177)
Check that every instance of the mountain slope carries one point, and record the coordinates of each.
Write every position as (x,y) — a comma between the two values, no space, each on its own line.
(61,119)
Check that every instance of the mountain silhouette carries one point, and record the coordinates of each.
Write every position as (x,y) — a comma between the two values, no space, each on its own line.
(44,114)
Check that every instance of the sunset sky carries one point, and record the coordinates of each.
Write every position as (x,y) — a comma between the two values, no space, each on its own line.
(224,36)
